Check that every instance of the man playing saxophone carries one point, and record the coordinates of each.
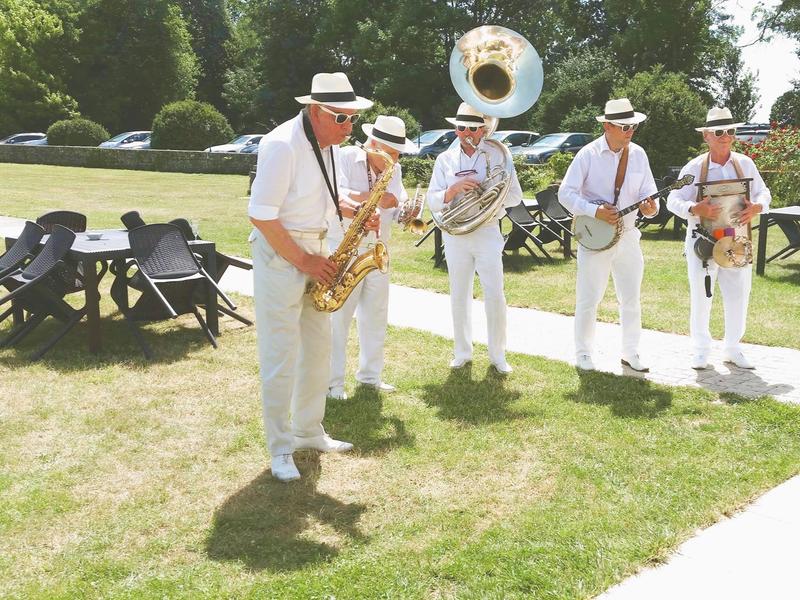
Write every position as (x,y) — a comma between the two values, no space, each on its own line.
(459,170)
(369,301)
(294,201)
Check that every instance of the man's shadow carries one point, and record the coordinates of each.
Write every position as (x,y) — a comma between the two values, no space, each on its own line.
(360,420)
(625,396)
(477,401)
(711,379)
(262,525)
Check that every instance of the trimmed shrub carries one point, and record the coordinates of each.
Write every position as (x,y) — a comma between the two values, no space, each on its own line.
(416,171)
(189,125)
(76,132)
(778,159)
(559,163)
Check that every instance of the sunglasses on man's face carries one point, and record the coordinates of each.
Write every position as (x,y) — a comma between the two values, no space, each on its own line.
(464,128)
(721,132)
(341,118)
(626,128)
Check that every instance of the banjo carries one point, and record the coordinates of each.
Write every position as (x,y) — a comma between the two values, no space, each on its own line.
(596,234)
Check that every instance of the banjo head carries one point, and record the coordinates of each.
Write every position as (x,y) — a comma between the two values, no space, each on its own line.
(594,234)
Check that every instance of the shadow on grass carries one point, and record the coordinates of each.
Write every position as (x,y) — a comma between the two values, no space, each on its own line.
(523,261)
(462,398)
(628,397)
(267,524)
(360,420)
(169,341)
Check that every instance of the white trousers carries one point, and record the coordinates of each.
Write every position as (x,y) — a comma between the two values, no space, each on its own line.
(369,302)
(481,251)
(734,283)
(625,263)
(293,347)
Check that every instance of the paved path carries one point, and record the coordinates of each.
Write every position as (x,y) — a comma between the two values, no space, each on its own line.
(754,554)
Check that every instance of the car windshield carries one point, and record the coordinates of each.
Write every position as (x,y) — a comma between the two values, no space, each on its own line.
(549,141)
(240,140)
(120,137)
(429,137)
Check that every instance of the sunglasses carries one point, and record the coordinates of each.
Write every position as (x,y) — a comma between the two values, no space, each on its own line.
(721,132)
(466,172)
(464,128)
(626,128)
(342,118)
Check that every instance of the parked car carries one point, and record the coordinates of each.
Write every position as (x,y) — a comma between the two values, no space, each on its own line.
(238,144)
(547,145)
(515,139)
(433,142)
(39,142)
(251,149)
(21,138)
(130,140)
(753,133)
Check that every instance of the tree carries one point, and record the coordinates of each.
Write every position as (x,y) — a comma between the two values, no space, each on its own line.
(673,110)
(32,91)
(134,56)
(736,87)
(786,110)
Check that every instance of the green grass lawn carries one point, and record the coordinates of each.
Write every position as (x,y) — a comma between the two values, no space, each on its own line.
(220,204)
(126,479)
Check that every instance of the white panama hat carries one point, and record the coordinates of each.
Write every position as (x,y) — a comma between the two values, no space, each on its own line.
(334,90)
(467,116)
(621,111)
(718,118)
(390,131)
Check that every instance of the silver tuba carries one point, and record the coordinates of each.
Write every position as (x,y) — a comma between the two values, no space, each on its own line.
(498,72)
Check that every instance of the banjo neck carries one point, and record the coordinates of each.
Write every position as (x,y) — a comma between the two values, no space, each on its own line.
(683,181)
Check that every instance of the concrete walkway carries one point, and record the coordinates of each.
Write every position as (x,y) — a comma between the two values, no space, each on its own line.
(754,554)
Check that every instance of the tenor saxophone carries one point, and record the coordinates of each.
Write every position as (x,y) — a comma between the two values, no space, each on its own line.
(351,267)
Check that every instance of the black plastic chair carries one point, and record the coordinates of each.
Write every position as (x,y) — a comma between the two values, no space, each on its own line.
(791,230)
(39,289)
(523,226)
(170,274)
(556,220)
(19,253)
(66,218)
(132,219)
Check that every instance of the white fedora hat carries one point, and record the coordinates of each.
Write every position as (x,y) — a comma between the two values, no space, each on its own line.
(390,131)
(621,111)
(334,90)
(468,116)
(718,118)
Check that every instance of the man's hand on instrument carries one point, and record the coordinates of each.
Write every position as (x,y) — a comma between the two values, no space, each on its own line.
(388,200)
(607,213)
(374,223)
(649,208)
(348,206)
(459,187)
(706,209)
(318,267)
(748,212)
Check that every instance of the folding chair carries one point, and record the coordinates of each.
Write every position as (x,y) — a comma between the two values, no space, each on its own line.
(39,288)
(556,220)
(169,274)
(522,227)
(66,218)
(792,231)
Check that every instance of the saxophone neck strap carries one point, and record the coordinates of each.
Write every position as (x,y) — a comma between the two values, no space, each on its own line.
(312,139)
(620,178)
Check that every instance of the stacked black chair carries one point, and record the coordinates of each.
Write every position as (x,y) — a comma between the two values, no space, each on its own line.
(170,274)
(66,218)
(792,231)
(19,253)
(39,289)
(556,220)
(523,226)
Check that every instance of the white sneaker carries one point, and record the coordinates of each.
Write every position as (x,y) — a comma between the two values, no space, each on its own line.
(337,393)
(502,368)
(458,363)
(739,360)
(635,363)
(700,361)
(323,443)
(584,362)
(381,387)
(284,469)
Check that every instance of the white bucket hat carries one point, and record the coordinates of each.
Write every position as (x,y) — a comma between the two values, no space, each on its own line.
(620,111)
(468,116)
(718,118)
(334,90)
(390,131)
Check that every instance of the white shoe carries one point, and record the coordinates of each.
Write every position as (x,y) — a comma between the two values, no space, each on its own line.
(457,363)
(323,443)
(584,362)
(739,360)
(337,393)
(284,469)
(635,363)
(700,361)
(502,368)
(381,387)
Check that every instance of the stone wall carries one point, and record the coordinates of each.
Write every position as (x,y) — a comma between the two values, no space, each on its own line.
(178,161)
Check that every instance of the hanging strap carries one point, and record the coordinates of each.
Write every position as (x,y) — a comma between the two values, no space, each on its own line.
(332,189)
(622,167)
(703,175)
